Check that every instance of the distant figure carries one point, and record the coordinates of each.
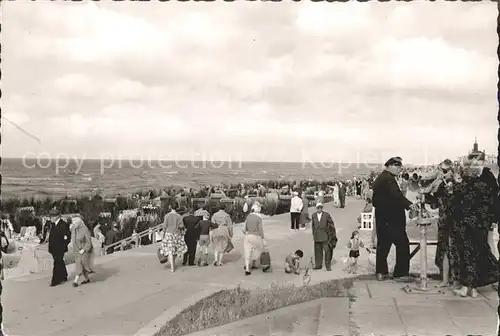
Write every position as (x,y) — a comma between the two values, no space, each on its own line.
(304,215)
(295,211)
(59,238)
(342,194)
(324,236)
(390,206)
(112,236)
(336,195)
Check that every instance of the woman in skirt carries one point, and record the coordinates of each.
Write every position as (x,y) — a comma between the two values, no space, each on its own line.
(221,237)
(173,243)
(253,244)
(82,249)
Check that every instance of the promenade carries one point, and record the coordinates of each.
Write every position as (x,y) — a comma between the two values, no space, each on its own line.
(132,294)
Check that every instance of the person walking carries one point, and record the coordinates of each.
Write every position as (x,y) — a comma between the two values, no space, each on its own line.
(82,249)
(390,206)
(222,235)
(173,243)
(59,238)
(324,236)
(304,215)
(295,211)
(342,194)
(253,244)
(191,237)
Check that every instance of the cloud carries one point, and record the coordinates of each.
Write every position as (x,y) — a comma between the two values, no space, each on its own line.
(330,78)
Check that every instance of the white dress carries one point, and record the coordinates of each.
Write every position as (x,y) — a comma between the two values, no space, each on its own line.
(336,198)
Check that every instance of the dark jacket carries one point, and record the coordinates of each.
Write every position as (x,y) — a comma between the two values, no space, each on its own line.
(191,226)
(489,178)
(324,229)
(389,202)
(59,237)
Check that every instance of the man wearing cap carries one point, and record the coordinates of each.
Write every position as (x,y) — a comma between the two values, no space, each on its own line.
(59,238)
(295,211)
(325,238)
(390,205)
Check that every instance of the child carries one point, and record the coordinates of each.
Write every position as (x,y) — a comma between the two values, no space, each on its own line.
(205,227)
(354,244)
(292,262)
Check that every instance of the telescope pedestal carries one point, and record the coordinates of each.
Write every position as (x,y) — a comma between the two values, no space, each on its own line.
(422,286)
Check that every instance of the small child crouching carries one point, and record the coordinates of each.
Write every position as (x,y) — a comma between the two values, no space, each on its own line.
(355,243)
(292,262)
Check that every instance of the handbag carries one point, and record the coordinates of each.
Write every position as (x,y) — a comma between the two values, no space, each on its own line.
(229,247)
(161,257)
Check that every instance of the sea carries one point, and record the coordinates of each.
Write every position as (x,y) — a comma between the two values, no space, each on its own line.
(45,177)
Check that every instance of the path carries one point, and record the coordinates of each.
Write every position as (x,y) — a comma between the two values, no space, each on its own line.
(379,309)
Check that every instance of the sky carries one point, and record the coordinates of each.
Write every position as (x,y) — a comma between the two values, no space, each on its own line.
(254,81)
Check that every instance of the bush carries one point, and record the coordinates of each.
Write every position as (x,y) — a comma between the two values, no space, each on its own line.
(232,305)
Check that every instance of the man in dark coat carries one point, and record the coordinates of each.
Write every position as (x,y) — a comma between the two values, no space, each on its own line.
(390,205)
(342,194)
(191,237)
(325,238)
(59,238)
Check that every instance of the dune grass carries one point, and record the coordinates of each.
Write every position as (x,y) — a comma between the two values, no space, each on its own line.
(227,306)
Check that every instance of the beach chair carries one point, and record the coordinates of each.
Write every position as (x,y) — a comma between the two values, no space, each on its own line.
(367,219)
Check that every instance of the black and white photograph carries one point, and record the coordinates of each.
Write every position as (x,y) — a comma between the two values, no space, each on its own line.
(249,168)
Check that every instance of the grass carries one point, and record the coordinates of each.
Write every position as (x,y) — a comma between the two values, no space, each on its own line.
(227,306)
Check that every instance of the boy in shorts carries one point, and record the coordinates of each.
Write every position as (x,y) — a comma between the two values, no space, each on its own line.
(204,242)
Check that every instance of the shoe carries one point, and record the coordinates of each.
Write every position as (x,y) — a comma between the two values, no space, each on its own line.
(84,282)
(248,273)
(328,269)
(462,292)
(75,284)
(380,277)
(405,279)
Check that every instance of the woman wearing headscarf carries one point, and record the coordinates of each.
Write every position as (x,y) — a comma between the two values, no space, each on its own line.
(253,244)
(471,216)
(446,254)
(82,249)
(221,237)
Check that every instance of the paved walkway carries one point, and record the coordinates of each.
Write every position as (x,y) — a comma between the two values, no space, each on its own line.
(379,309)
(131,288)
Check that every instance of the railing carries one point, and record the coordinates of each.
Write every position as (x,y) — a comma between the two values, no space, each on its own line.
(135,239)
